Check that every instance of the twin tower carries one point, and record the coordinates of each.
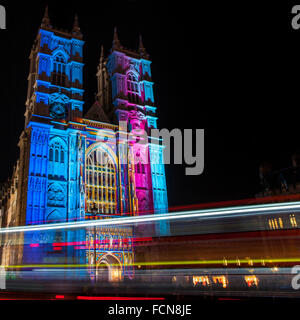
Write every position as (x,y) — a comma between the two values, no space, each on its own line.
(74,166)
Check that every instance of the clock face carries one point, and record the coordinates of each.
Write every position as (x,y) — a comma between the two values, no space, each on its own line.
(58,110)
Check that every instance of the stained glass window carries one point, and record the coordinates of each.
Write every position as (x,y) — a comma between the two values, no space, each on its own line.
(100,182)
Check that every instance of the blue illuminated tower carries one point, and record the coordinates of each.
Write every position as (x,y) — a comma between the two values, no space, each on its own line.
(55,93)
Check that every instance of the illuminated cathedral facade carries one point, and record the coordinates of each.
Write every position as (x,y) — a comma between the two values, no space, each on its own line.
(75,166)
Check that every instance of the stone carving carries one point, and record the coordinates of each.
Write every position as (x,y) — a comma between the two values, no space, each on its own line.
(58,105)
(56,195)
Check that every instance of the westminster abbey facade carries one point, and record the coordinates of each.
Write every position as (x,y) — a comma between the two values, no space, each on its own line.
(75,166)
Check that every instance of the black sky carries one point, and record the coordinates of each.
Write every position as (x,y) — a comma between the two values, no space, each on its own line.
(231,69)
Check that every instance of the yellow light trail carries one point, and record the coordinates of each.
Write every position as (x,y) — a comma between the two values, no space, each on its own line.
(158,263)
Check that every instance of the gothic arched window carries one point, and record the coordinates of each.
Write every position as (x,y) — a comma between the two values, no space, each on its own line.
(132,87)
(140,167)
(59,70)
(101,194)
(57,155)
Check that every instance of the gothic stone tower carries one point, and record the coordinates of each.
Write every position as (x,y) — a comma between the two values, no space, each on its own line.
(55,97)
(125,91)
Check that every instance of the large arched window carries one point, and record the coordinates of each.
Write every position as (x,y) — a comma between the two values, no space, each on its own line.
(132,87)
(59,70)
(101,194)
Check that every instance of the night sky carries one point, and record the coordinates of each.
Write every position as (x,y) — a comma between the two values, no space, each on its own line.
(231,69)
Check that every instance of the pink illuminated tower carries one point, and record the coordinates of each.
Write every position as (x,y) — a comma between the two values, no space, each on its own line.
(125,94)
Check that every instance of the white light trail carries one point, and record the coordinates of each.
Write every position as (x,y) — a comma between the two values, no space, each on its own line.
(205,213)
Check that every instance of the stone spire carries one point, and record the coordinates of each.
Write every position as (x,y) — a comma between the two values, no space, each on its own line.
(46,20)
(76,28)
(102,54)
(116,41)
(142,51)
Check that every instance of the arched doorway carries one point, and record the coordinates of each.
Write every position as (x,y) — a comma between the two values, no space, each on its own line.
(109,269)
